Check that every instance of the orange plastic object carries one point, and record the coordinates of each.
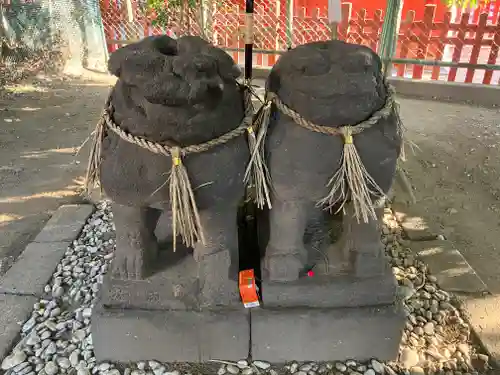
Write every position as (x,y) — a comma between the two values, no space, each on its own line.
(249,291)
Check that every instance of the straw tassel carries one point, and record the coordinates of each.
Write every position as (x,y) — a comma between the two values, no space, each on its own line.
(185,217)
(352,181)
(257,173)
(93,176)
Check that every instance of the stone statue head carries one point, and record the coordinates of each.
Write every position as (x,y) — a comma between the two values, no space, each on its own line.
(174,72)
(332,83)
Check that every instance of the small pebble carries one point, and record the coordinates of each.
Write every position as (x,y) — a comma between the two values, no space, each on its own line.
(104,367)
(305,367)
(51,368)
(242,364)
(262,365)
(13,360)
(340,366)
(82,371)
(63,363)
(153,365)
(429,329)
(377,366)
(409,358)
(232,369)
(351,363)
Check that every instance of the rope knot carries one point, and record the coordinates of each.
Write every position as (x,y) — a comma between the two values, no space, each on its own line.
(347,134)
(176,156)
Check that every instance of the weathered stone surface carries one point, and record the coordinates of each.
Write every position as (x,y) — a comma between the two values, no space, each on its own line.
(174,288)
(301,334)
(331,84)
(181,93)
(66,223)
(324,291)
(169,336)
(14,310)
(451,269)
(33,269)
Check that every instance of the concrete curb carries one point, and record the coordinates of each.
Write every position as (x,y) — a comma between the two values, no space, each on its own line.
(454,274)
(23,283)
(471,93)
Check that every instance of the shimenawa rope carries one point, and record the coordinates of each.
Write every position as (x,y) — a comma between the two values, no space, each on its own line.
(351,180)
(185,215)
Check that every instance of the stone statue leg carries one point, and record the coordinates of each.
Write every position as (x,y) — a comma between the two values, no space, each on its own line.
(136,244)
(218,260)
(336,257)
(286,254)
(363,244)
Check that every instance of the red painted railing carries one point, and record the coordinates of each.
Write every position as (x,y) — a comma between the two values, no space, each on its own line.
(472,39)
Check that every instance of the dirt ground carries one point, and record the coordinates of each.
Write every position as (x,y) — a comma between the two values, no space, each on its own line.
(42,124)
(455,172)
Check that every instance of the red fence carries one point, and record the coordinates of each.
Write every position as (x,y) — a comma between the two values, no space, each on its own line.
(429,38)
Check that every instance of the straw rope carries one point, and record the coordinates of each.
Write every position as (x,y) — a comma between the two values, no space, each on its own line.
(383,112)
(185,215)
(351,181)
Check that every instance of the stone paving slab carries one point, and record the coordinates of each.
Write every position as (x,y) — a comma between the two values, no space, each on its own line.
(448,265)
(33,269)
(35,266)
(132,335)
(304,334)
(482,313)
(66,223)
(414,227)
(14,310)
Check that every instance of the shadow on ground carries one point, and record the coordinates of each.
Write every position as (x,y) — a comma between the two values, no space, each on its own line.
(43,124)
(455,173)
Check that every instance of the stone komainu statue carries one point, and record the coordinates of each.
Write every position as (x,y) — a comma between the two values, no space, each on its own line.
(334,137)
(330,135)
(175,97)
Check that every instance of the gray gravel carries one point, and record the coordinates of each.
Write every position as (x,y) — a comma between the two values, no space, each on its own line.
(56,338)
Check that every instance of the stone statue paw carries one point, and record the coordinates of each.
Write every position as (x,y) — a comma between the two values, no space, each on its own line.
(283,267)
(128,266)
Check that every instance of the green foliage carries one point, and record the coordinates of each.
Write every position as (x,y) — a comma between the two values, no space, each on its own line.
(163,9)
(466,3)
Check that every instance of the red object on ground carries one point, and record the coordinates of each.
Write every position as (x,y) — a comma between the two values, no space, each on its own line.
(249,291)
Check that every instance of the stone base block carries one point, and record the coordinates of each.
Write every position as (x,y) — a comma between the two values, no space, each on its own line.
(304,334)
(131,335)
(331,292)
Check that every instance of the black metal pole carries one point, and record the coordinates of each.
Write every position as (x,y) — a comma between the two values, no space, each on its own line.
(248,39)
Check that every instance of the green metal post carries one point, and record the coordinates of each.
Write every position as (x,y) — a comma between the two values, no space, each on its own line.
(289,23)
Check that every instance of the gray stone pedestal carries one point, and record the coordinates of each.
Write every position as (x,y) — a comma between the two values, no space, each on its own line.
(304,334)
(325,318)
(159,318)
(133,335)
